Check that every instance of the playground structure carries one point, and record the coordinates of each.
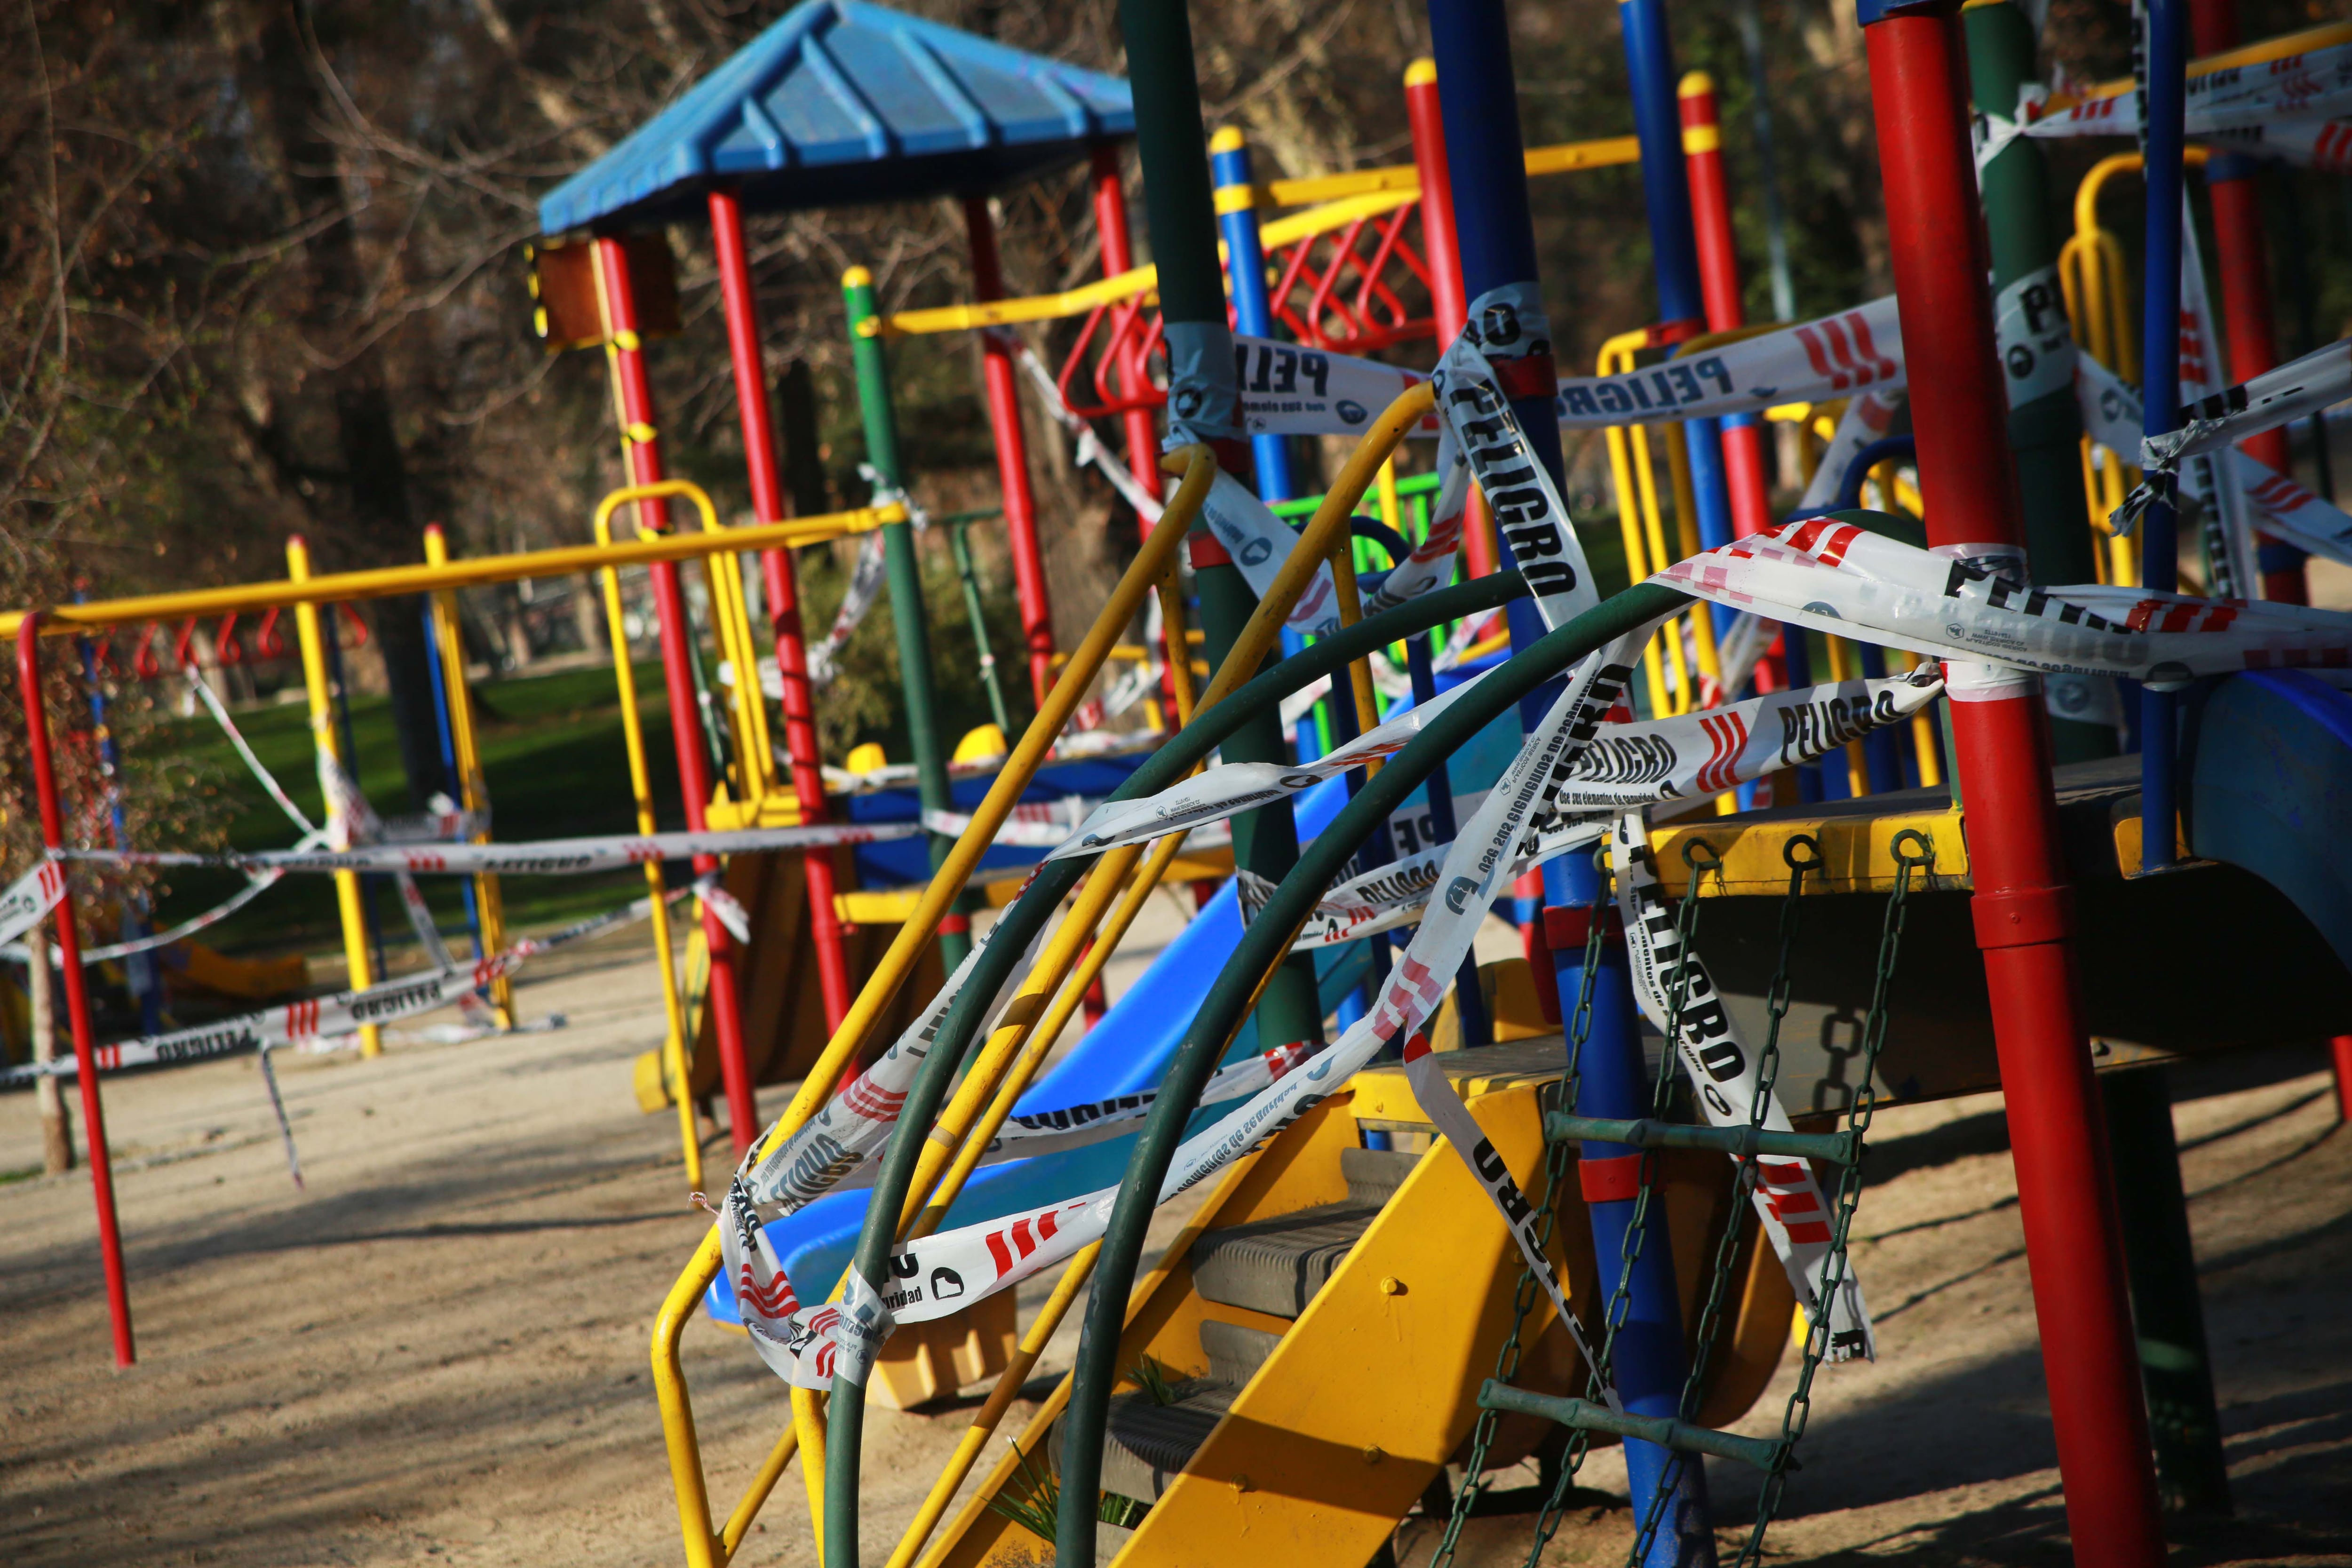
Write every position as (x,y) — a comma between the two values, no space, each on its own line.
(1204,1405)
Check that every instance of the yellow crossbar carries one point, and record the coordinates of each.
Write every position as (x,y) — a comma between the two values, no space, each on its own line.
(473,572)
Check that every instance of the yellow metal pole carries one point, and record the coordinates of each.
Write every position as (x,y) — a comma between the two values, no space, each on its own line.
(322,736)
(1702,623)
(448,637)
(676,1063)
(771,1471)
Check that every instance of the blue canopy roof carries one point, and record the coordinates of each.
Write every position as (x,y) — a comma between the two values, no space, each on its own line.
(844,102)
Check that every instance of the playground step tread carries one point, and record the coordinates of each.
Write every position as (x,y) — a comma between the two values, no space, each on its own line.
(1275,1265)
(1145,1444)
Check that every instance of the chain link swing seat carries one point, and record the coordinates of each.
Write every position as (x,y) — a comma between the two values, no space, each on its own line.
(1775,1457)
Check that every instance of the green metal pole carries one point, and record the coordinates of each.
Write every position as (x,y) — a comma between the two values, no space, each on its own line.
(2045,432)
(1203,405)
(2191,1474)
(960,535)
(906,581)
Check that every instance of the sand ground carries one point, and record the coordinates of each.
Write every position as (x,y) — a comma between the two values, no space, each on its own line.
(437,1352)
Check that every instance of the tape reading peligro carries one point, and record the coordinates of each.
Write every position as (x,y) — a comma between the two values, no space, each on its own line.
(1724,1074)
(1839,578)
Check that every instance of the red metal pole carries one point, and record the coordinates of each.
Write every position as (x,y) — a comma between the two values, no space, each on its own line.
(643,439)
(2022,908)
(1718,279)
(2245,264)
(1118,255)
(782,583)
(2340,1051)
(85,1046)
(1449,305)
(1012,455)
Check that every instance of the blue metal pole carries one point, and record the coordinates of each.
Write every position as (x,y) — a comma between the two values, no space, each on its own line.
(1229,171)
(2164,103)
(1495,235)
(145,975)
(1666,193)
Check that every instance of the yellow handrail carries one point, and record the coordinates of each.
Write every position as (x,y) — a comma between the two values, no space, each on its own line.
(473,572)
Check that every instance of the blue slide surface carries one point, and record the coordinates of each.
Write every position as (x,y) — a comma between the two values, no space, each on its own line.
(1128,1050)
(2269,789)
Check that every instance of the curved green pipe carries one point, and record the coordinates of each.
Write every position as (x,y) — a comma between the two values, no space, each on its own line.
(1024,919)
(1262,944)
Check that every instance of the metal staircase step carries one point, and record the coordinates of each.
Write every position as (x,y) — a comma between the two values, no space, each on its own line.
(1235,1352)
(1275,1265)
(1373,1175)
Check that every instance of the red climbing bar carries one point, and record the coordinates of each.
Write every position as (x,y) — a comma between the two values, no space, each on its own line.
(1449,306)
(783,593)
(642,439)
(2023,907)
(85,1045)
(1118,255)
(1012,457)
(1719,281)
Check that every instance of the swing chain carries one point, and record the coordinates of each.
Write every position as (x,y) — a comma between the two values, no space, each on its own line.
(1914,851)
(1745,1175)
(1556,1162)
(1621,1299)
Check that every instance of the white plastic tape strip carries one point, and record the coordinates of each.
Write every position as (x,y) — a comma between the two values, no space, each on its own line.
(1833,356)
(1394,895)
(1215,793)
(2225,104)
(547,857)
(1867,417)
(30,897)
(2320,379)
(1520,496)
(1841,579)
(1034,825)
(943,1273)
(326,1018)
(853,1124)
(1723,1070)
(2285,510)
(1289,390)
(865,578)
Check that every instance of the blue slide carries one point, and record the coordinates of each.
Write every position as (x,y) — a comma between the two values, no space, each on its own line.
(1127,1051)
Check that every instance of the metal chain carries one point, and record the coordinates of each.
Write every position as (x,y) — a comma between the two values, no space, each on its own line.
(1920,856)
(1621,1299)
(1745,1174)
(1556,1162)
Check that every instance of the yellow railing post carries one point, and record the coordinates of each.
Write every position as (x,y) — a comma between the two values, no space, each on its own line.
(449,640)
(677,1058)
(322,736)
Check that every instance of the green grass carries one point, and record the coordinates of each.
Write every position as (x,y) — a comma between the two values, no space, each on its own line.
(556,763)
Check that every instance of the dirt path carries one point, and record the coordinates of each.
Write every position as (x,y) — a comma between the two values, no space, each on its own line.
(437,1353)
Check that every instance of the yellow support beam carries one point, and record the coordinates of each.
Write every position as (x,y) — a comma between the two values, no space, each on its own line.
(390,581)
(1857,851)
